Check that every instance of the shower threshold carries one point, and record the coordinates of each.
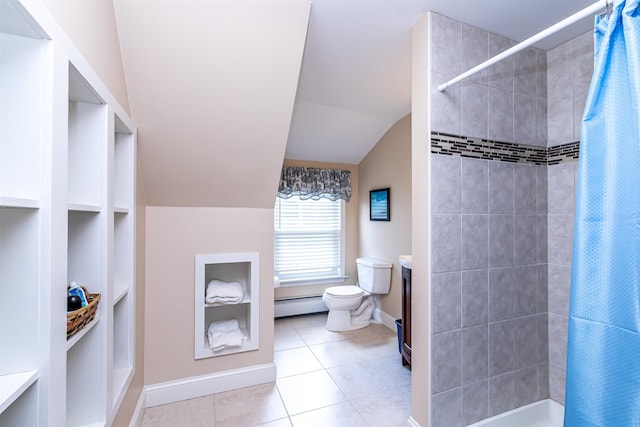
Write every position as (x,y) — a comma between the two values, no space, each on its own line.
(545,413)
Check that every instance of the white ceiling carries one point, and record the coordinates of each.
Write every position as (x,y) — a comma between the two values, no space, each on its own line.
(355,78)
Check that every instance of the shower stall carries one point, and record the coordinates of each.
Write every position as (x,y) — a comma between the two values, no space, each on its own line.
(504,148)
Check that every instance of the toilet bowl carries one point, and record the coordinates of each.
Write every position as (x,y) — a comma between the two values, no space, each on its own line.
(351,307)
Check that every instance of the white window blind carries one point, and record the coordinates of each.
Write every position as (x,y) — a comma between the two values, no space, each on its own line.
(308,239)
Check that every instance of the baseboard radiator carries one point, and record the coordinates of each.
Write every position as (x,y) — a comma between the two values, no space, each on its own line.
(296,306)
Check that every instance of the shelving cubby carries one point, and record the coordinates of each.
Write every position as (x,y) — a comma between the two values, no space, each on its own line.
(122,349)
(242,268)
(22,59)
(24,55)
(23,411)
(86,394)
(88,121)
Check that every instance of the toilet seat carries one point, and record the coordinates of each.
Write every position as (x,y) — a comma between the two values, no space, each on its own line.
(349,291)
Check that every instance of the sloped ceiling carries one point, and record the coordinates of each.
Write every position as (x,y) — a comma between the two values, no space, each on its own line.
(355,81)
(211,86)
(221,88)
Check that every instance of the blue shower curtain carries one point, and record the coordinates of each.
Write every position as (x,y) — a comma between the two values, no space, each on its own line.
(603,353)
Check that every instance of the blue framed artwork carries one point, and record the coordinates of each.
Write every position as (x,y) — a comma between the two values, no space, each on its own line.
(379,207)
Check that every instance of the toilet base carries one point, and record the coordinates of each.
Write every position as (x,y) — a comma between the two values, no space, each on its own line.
(340,321)
(349,320)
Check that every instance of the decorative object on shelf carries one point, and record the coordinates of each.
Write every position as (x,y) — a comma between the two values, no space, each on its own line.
(220,292)
(225,333)
(78,319)
(77,291)
(379,209)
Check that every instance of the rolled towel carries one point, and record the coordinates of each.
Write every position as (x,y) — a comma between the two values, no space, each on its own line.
(225,333)
(223,292)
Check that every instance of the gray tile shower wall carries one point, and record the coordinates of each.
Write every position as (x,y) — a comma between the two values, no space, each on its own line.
(503,168)
(489,228)
(570,67)
(506,102)
(489,290)
(569,70)
(501,246)
(561,196)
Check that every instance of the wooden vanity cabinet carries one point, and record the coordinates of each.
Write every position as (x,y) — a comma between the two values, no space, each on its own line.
(406,316)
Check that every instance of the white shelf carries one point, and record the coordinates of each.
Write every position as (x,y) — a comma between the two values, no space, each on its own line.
(119,294)
(18,202)
(120,210)
(78,336)
(245,300)
(247,345)
(77,207)
(13,385)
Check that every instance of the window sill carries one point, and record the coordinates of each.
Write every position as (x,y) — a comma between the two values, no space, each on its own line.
(313,281)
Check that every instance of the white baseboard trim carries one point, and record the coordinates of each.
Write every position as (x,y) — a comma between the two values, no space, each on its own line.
(189,388)
(296,306)
(138,413)
(385,319)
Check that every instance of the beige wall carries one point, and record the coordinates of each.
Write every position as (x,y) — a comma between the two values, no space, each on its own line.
(351,237)
(91,26)
(174,236)
(388,164)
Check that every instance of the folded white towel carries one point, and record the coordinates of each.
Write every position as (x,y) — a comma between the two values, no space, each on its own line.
(225,333)
(223,292)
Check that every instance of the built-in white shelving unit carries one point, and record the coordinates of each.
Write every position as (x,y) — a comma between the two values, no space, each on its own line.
(242,268)
(67,213)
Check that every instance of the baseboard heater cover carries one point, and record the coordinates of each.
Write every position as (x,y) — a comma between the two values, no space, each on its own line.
(296,306)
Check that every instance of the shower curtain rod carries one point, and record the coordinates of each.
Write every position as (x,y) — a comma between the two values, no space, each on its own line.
(590,10)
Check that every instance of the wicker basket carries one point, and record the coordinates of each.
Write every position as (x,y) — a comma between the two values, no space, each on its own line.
(78,319)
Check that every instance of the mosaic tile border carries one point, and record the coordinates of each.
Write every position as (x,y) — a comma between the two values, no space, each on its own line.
(563,153)
(479,148)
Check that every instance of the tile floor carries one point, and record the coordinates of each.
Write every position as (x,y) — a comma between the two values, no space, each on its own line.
(327,379)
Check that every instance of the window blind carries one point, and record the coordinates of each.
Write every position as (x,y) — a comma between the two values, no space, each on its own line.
(308,238)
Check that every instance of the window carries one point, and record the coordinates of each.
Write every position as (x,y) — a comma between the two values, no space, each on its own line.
(309,240)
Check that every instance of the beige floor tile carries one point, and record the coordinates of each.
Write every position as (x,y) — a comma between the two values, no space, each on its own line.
(318,335)
(306,392)
(286,339)
(198,412)
(390,408)
(249,406)
(392,364)
(310,320)
(295,361)
(361,379)
(317,320)
(282,422)
(340,415)
(336,353)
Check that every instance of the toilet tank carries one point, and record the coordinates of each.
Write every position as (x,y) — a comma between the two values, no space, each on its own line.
(374,276)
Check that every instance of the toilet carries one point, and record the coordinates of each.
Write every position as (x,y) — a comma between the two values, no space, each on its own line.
(351,307)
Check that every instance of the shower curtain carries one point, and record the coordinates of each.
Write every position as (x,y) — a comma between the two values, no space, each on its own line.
(603,353)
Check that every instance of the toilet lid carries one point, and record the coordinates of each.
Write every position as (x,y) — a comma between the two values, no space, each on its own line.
(348,291)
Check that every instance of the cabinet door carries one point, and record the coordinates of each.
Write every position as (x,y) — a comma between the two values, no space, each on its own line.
(406,316)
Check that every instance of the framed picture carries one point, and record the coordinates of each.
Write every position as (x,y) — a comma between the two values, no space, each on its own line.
(379,205)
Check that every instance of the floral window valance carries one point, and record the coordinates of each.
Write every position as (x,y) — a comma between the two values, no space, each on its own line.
(314,183)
